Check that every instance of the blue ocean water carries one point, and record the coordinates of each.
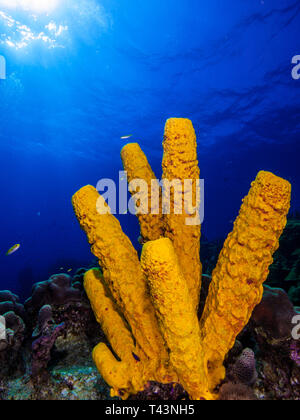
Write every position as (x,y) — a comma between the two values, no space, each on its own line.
(83,73)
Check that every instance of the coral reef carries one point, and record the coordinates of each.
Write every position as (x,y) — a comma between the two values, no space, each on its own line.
(78,278)
(66,383)
(45,334)
(57,343)
(156,337)
(11,361)
(160,338)
(268,370)
(2,391)
(10,302)
(244,369)
(57,290)
(67,300)
(271,325)
(236,392)
(273,316)
(155,391)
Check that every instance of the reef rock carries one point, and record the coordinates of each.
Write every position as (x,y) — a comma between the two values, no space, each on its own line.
(11,361)
(45,336)
(58,290)
(279,353)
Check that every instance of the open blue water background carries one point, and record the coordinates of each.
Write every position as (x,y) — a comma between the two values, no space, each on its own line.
(89,72)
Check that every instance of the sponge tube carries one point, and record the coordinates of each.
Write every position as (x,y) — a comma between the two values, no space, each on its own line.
(242,268)
(177,316)
(180,163)
(137,167)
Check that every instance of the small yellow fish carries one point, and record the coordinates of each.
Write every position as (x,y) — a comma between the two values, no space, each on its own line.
(126,137)
(141,240)
(13,249)
(70,269)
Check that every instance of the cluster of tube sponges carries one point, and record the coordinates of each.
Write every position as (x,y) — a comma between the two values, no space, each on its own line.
(148,308)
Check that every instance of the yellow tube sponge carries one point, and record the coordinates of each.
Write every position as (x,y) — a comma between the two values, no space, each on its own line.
(180,163)
(148,309)
(125,376)
(106,312)
(138,168)
(121,269)
(242,268)
(177,316)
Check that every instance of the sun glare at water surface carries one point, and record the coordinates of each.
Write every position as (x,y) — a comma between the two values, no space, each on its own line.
(36,6)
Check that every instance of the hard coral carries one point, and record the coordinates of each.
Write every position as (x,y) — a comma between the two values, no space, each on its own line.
(272,318)
(279,367)
(45,336)
(10,302)
(236,392)
(244,369)
(161,392)
(65,299)
(58,290)
(59,301)
(11,361)
(148,310)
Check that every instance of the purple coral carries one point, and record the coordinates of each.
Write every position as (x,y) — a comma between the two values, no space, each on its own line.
(295,352)
(45,321)
(47,333)
(57,307)
(9,302)
(58,290)
(68,303)
(272,325)
(274,314)
(244,369)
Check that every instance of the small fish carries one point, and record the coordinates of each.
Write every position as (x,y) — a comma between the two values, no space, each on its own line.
(136,357)
(13,249)
(126,137)
(141,240)
(207,276)
(70,269)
